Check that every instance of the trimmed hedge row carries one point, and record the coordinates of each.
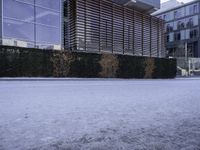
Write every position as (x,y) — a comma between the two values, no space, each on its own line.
(24,62)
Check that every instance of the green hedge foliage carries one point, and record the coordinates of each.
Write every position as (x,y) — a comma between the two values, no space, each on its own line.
(24,62)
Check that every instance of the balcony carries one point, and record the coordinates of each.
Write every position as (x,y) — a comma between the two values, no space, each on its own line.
(147,6)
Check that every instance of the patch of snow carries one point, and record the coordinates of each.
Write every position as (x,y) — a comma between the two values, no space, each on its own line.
(98,114)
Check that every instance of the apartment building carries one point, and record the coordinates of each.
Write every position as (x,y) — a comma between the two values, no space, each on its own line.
(182,26)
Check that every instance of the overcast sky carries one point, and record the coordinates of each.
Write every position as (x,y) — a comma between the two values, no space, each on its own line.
(178,0)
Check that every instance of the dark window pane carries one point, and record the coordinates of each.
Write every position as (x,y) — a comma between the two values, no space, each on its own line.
(52,4)
(47,17)
(18,10)
(47,34)
(18,30)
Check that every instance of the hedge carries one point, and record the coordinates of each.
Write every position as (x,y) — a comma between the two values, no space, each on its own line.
(25,62)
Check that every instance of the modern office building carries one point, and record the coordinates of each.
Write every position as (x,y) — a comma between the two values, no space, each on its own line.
(182,26)
(122,27)
(31,23)
(113,26)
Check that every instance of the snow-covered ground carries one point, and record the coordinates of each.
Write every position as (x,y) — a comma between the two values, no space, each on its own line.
(100,114)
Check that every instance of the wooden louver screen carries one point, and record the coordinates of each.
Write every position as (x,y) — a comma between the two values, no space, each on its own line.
(103,26)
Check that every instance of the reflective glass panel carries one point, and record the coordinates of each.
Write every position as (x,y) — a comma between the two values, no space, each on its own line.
(195,19)
(179,13)
(192,9)
(187,34)
(182,34)
(26,1)
(171,37)
(18,30)
(47,34)
(52,4)
(18,10)
(47,17)
(26,22)
(168,16)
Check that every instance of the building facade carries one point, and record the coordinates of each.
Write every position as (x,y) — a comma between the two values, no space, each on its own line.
(182,26)
(113,27)
(31,23)
(145,6)
(167,6)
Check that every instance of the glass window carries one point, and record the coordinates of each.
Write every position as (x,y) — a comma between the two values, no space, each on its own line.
(196,32)
(47,17)
(52,4)
(47,34)
(20,10)
(193,33)
(171,37)
(168,16)
(195,8)
(192,21)
(169,27)
(196,20)
(179,13)
(165,17)
(187,34)
(18,29)
(177,36)
(171,15)
(181,24)
(175,25)
(26,22)
(182,34)
(192,9)
(188,10)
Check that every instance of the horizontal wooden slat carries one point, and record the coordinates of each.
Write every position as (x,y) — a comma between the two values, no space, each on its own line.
(105,26)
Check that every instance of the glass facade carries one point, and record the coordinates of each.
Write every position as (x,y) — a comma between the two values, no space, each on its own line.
(181,12)
(181,22)
(32,23)
(182,25)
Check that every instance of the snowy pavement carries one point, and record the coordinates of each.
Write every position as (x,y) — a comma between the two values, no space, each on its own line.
(100,114)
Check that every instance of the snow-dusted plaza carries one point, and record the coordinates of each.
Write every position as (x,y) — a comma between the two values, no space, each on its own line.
(84,114)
